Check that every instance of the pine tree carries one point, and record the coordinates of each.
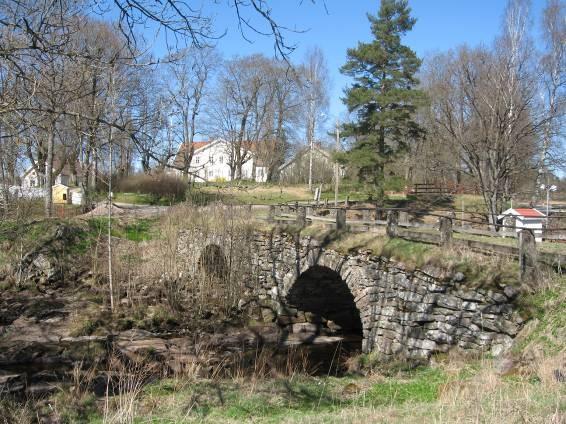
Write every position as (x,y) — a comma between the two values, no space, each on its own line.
(383,95)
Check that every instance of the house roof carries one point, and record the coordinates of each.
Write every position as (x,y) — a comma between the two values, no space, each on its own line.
(524,212)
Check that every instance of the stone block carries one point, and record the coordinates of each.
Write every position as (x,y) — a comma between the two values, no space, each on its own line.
(449,302)
(304,327)
(439,337)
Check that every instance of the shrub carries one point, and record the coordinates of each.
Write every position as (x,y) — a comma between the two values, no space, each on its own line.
(394,183)
(157,187)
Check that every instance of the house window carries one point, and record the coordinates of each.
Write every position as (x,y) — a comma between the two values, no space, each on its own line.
(211,160)
(220,159)
(64,196)
(211,173)
(197,160)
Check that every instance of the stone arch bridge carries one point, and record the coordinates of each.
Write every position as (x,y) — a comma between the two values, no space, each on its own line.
(396,311)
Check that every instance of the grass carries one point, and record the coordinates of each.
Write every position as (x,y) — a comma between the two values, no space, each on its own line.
(545,246)
(269,194)
(139,199)
(140,229)
(452,391)
(478,269)
(547,329)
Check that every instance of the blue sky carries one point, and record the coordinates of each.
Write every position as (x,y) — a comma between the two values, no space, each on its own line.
(441,25)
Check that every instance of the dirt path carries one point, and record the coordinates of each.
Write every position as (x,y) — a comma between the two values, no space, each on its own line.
(126,209)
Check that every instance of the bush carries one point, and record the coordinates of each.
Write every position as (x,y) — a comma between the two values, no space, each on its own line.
(157,187)
(394,183)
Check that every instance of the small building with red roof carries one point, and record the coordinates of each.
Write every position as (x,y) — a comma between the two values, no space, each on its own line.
(523,218)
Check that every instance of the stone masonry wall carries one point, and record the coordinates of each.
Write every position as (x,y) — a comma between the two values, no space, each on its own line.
(404,313)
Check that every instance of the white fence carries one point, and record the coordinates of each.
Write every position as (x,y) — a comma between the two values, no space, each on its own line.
(25,192)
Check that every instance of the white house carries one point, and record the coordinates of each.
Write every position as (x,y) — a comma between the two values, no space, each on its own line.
(69,177)
(211,162)
(521,218)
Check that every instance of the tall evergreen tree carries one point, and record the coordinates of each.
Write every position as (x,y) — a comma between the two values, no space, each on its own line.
(382,96)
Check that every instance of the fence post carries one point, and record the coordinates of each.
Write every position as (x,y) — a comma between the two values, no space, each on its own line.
(392,221)
(528,267)
(271,214)
(510,223)
(403,217)
(365,214)
(340,219)
(347,203)
(301,216)
(377,213)
(445,228)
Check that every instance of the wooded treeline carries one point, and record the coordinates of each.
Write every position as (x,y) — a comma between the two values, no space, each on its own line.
(73,85)
(486,119)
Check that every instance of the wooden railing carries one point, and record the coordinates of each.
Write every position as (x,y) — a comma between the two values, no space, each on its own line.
(400,223)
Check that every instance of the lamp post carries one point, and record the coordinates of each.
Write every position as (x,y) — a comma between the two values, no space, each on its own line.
(548,189)
(336,165)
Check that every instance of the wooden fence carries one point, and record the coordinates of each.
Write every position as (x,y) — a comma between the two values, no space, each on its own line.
(397,224)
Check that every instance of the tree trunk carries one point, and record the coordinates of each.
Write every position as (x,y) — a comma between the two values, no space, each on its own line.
(48,188)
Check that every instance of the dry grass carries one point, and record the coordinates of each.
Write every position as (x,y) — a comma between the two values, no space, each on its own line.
(152,272)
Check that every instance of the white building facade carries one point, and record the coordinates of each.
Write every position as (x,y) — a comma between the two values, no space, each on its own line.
(211,162)
(523,218)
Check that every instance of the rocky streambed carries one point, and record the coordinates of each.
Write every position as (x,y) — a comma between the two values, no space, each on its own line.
(39,352)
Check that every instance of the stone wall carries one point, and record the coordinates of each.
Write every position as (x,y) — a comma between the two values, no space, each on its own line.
(404,313)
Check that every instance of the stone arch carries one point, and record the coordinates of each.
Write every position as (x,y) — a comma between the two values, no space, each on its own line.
(195,245)
(334,266)
(212,262)
(321,292)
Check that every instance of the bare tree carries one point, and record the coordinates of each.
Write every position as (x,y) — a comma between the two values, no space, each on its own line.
(314,74)
(189,75)
(553,83)
(236,112)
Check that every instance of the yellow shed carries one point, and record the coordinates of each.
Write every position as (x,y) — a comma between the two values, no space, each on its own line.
(61,194)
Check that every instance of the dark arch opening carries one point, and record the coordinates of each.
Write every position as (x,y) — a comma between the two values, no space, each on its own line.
(212,262)
(323,293)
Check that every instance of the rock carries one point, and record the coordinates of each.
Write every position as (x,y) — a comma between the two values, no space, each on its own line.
(511,292)
(304,327)
(267,315)
(12,383)
(314,318)
(332,326)
(501,345)
(459,277)
(497,297)
(449,302)
(439,336)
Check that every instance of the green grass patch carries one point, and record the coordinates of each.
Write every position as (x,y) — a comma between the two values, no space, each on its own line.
(134,230)
(420,386)
(405,250)
(140,199)
(545,308)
